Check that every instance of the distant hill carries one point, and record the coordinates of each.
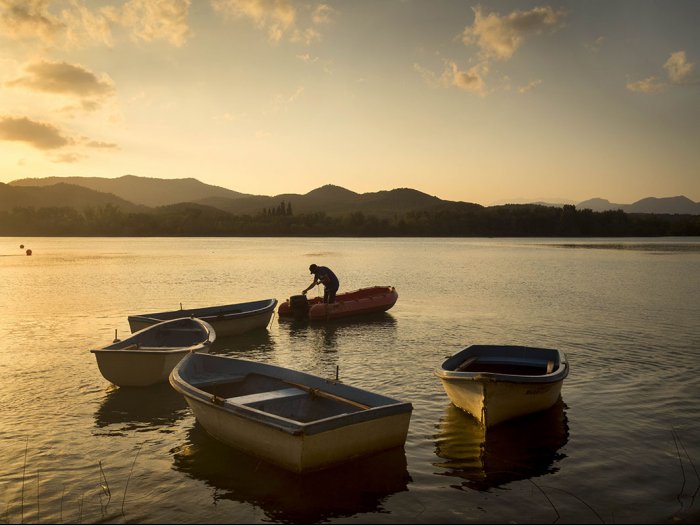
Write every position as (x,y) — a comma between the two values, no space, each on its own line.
(671,205)
(335,201)
(142,190)
(330,199)
(60,195)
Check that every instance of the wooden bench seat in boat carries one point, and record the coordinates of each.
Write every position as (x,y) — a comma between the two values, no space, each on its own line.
(267,396)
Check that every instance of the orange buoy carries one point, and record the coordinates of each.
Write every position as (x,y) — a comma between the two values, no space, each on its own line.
(21,246)
(29,252)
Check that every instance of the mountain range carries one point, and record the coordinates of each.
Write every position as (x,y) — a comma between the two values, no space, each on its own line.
(132,194)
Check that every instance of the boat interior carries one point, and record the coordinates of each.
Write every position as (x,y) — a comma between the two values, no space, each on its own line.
(529,367)
(281,398)
(174,335)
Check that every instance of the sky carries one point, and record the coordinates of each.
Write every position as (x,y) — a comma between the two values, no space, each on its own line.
(486,102)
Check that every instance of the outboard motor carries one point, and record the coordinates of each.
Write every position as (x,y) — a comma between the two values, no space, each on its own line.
(299,305)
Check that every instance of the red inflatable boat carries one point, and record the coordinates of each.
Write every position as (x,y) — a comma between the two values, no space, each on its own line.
(362,301)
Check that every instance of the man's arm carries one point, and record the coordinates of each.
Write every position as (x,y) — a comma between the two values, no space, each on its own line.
(314,283)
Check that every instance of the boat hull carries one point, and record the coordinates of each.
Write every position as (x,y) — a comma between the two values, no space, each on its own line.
(148,356)
(299,452)
(503,382)
(358,302)
(294,420)
(227,320)
(139,368)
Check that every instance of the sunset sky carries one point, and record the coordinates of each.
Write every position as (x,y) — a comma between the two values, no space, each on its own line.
(485,102)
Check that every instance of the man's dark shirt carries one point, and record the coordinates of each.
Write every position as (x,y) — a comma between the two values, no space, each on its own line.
(327,277)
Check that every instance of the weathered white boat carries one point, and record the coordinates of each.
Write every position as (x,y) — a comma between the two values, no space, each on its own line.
(295,420)
(148,356)
(495,383)
(227,320)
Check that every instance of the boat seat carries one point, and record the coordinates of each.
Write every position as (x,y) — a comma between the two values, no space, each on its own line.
(466,363)
(267,396)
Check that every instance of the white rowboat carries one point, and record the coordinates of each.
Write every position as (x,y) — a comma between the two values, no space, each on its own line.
(495,383)
(227,319)
(295,420)
(148,356)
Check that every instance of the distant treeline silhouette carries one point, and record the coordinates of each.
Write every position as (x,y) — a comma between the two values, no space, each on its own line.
(513,220)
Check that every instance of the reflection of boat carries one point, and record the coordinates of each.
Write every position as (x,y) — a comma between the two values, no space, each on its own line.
(128,409)
(346,490)
(495,383)
(518,449)
(228,319)
(296,420)
(148,356)
(357,302)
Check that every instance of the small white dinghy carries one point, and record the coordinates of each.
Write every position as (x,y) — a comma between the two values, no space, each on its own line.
(295,420)
(148,356)
(495,383)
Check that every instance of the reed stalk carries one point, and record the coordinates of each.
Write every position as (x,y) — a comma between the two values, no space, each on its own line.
(38,510)
(24,470)
(130,472)
(547,498)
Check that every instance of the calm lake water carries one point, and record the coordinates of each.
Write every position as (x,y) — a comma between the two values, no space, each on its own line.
(623,446)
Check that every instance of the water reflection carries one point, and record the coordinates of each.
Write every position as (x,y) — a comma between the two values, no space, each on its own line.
(245,345)
(156,407)
(357,487)
(515,450)
(330,331)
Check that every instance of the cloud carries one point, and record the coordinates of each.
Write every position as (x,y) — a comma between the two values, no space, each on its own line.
(40,135)
(67,158)
(471,80)
(528,87)
(99,144)
(21,19)
(498,37)
(677,67)
(78,23)
(151,20)
(648,85)
(323,14)
(677,70)
(278,18)
(64,79)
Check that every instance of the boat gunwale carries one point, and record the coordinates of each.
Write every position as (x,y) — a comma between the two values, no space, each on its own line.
(558,374)
(202,325)
(209,313)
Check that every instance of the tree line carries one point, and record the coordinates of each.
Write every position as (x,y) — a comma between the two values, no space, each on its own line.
(475,221)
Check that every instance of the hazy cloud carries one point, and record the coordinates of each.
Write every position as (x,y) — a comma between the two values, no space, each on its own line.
(677,67)
(67,158)
(154,19)
(498,37)
(648,85)
(596,45)
(78,23)
(100,145)
(278,18)
(65,79)
(28,19)
(471,80)
(40,135)
(529,87)
(323,14)
(280,103)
